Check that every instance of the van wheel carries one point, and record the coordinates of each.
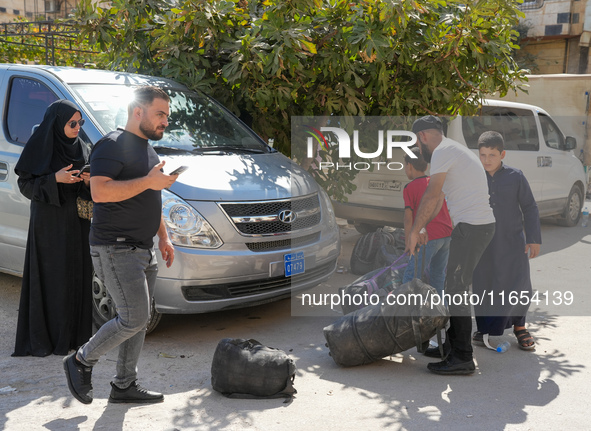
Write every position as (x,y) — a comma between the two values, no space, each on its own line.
(572,210)
(103,307)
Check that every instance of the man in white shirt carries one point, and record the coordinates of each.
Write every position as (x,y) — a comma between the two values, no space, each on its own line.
(456,172)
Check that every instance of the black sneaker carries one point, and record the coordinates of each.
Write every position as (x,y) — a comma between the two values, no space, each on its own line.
(452,366)
(79,379)
(134,394)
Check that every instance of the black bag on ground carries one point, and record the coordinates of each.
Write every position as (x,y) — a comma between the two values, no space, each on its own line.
(365,251)
(377,331)
(247,369)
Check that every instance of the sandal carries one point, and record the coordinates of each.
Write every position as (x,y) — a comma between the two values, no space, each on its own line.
(478,338)
(523,338)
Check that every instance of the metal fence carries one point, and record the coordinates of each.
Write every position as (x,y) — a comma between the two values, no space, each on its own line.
(47,35)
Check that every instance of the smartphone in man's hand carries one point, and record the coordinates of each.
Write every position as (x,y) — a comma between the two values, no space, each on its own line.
(179,170)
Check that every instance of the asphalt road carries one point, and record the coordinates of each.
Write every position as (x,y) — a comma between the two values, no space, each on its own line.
(543,390)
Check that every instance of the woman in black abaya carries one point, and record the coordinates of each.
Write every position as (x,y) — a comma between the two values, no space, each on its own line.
(55,313)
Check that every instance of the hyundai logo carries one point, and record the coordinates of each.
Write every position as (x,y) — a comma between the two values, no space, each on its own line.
(287,216)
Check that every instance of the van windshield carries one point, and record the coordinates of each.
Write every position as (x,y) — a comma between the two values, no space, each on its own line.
(518,127)
(196,123)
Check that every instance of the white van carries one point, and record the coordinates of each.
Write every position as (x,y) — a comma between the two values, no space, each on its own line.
(258,227)
(534,144)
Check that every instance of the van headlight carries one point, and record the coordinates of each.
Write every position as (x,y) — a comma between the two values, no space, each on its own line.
(185,225)
(332,221)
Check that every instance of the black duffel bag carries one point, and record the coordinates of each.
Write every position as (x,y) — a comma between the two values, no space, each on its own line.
(247,369)
(381,330)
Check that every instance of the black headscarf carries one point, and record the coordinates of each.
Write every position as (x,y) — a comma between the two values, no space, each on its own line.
(49,149)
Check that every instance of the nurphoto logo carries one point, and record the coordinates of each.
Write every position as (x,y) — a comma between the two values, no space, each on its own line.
(375,153)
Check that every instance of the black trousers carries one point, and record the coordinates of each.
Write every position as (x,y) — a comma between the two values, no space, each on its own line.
(468,243)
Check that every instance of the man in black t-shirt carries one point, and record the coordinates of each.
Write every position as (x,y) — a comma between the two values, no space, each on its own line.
(126,180)
(124,156)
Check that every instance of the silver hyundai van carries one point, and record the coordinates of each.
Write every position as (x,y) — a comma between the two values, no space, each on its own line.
(249,226)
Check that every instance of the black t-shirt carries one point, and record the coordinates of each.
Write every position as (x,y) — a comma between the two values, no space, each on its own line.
(122,155)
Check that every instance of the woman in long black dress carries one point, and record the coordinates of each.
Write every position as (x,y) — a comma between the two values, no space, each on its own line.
(55,313)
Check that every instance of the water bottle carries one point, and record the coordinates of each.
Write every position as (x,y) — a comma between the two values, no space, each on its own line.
(503,347)
(585,219)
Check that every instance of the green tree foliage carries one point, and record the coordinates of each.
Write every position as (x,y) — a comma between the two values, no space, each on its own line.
(274,59)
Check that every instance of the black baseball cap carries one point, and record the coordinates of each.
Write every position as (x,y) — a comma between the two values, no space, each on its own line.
(427,122)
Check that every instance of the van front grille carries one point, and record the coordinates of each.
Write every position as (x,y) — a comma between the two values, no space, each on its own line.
(283,244)
(272,217)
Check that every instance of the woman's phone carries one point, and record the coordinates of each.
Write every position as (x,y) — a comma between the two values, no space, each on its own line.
(85,168)
(179,170)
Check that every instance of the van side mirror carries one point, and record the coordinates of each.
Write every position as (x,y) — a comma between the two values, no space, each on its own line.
(570,143)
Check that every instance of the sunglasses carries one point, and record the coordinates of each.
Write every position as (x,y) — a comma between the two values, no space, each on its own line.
(72,124)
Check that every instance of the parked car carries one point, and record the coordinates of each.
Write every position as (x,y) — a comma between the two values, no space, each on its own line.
(249,226)
(534,144)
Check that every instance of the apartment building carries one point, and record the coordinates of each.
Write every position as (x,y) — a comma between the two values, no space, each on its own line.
(558,35)
(32,10)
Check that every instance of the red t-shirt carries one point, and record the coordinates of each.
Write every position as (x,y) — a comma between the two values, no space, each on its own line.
(440,226)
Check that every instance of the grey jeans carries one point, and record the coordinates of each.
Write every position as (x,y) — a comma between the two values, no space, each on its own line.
(129,274)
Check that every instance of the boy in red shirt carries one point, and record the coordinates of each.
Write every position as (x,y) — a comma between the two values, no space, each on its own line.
(438,230)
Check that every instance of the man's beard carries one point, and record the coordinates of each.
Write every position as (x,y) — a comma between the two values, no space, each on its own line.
(150,133)
(425,152)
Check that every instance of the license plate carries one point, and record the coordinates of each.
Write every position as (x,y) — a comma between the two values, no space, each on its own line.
(394,186)
(294,263)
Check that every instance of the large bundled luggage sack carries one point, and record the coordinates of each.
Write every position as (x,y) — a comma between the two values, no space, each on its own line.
(247,369)
(377,331)
(378,282)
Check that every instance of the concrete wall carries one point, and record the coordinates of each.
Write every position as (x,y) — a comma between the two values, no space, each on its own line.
(556,56)
(549,55)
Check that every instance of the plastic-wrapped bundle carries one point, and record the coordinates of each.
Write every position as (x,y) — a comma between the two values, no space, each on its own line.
(378,282)
(409,318)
